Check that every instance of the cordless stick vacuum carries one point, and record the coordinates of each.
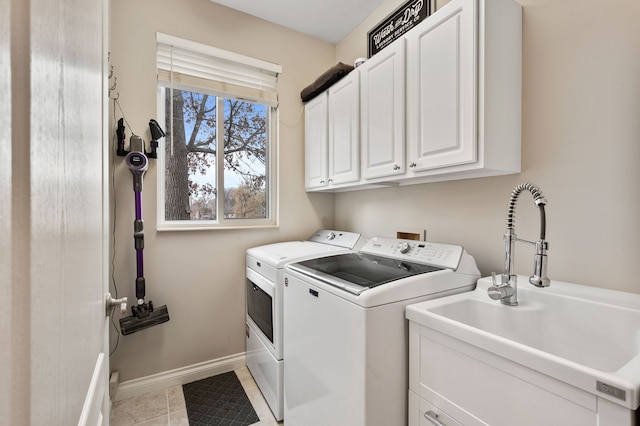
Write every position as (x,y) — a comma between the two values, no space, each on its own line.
(143,315)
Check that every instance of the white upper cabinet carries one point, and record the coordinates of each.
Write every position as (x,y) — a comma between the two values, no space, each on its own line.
(464,97)
(441,90)
(443,102)
(382,108)
(316,142)
(332,136)
(344,130)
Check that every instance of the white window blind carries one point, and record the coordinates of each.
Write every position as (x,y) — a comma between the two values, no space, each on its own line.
(185,63)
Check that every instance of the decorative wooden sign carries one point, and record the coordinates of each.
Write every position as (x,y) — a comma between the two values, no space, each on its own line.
(399,22)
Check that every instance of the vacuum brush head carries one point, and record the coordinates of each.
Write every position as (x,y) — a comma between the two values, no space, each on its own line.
(131,324)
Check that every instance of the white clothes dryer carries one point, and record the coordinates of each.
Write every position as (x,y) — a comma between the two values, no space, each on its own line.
(264,287)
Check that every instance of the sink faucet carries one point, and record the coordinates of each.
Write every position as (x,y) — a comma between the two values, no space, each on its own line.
(507,290)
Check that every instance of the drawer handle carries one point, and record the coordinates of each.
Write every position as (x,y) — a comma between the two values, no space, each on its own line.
(433,418)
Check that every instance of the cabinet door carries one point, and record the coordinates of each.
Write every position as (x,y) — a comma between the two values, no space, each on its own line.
(441,88)
(464,381)
(344,130)
(382,97)
(316,142)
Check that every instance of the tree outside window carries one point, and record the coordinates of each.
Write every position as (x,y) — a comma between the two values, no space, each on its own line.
(195,146)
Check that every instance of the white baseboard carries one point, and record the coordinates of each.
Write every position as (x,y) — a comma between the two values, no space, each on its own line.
(179,376)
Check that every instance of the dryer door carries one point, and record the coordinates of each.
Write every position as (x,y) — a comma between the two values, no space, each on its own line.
(261,302)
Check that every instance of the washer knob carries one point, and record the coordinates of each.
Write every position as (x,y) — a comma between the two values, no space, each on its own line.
(331,236)
(404,248)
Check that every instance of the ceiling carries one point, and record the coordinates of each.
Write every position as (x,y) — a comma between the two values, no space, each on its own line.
(328,20)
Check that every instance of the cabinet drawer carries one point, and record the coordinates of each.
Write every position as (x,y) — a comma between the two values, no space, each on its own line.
(480,388)
(419,410)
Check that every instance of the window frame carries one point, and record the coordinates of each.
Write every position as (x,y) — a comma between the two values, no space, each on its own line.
(272,190)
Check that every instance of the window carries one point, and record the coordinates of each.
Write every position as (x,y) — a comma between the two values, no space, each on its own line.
(219,112)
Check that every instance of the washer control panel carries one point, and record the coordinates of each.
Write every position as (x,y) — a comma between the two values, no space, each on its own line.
(442,255)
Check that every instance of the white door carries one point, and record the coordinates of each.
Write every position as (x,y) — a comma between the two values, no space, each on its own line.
(382,112)
(344,130)
(441,88)
(54,353)
(316,142)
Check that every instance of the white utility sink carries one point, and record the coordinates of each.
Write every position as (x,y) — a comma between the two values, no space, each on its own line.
(584,336)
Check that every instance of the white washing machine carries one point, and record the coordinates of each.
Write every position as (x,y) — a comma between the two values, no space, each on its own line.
(345,332)
(264,281)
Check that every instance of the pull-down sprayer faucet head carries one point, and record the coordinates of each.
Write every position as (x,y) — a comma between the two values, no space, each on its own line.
(539,277)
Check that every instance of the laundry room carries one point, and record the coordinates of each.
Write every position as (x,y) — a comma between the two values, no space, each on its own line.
(542,135)
(578,144)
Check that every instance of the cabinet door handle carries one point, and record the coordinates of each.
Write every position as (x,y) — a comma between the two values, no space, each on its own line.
(396,167)
(433,418)
(330,180)
(322,181)
(412,164)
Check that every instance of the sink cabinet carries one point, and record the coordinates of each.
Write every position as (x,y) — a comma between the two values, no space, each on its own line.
(462,384)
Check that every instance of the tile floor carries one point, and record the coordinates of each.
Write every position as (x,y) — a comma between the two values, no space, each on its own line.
(166,407)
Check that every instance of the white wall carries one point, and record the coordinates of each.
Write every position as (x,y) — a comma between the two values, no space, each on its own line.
(199,275)
(580,144)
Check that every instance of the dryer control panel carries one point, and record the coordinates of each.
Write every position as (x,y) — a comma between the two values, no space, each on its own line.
(336,238)
(442,255)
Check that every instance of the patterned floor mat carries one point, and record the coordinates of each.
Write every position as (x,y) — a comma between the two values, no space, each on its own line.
(219,400)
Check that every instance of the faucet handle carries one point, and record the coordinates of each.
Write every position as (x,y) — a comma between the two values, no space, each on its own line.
(501,292)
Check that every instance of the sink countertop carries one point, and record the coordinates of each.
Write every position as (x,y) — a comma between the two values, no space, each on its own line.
(578,334)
